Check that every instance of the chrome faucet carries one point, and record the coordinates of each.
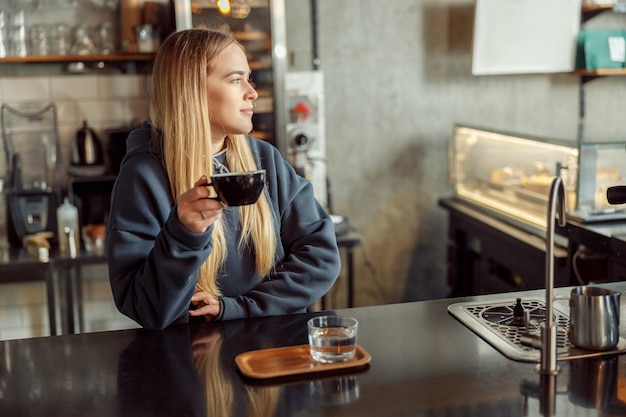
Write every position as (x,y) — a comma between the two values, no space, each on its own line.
(548,331)
(546,341)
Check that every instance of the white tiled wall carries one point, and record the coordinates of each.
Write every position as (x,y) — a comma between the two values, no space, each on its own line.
(104,101)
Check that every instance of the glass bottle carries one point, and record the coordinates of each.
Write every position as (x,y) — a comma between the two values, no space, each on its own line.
(67,229)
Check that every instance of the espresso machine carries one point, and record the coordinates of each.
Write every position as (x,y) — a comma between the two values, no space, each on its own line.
(306,135)
(32,159)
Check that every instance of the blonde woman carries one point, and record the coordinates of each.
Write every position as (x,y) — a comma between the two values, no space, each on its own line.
(172,252)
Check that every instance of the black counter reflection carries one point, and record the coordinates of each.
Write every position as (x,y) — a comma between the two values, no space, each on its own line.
(597,383)
(336,391)
(229,393)
(157,376)
(190,370)
(56,376)
(224,395)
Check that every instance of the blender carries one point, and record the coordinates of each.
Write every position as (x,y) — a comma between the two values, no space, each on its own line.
(31,145)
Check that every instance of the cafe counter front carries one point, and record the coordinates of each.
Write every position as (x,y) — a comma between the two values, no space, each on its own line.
(424,362)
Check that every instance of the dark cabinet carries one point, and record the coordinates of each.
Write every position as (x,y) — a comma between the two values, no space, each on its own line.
(487,255)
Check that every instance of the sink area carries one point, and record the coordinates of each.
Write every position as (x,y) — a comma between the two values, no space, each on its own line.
(534,330)
(493,322)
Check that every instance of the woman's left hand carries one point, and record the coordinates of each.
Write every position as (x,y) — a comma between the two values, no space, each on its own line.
(206,305)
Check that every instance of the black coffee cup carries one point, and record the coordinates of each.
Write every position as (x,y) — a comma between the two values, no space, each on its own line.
(238,188)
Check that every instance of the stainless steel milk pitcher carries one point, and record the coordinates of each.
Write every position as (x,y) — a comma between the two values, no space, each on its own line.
(594,318)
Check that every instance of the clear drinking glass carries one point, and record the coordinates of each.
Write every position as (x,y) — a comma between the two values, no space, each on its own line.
(18,34)
(332,338)
(62,39)
(39,39)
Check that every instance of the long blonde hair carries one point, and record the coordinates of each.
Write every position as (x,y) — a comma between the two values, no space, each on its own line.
(180,115)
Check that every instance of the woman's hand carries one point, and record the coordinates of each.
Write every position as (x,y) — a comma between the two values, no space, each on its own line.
(196,210)
(206,305)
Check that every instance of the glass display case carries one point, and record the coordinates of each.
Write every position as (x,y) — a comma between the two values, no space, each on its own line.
(510,175)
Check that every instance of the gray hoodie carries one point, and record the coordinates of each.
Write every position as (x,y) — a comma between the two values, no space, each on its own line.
(153,259)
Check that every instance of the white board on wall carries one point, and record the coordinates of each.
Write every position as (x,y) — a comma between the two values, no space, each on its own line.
(525,36)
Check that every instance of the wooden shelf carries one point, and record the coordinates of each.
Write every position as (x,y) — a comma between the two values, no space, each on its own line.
(602,72)
(41,59)
(590,11)
(597,7)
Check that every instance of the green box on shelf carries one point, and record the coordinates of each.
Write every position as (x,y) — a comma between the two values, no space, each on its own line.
(594,49)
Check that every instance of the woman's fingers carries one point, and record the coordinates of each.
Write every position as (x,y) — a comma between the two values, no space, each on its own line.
(196,210)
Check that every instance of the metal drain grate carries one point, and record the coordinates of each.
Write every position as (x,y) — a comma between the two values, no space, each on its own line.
(499,317)
(492,321)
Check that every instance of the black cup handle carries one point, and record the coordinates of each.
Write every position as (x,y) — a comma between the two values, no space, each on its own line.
(210,184)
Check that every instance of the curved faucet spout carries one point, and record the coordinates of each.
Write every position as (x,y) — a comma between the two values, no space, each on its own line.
(548,331)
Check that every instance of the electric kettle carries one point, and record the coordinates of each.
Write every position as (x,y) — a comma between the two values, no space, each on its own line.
(87,148)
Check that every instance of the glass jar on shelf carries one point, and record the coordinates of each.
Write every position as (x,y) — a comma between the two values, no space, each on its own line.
(17,34)
(107,42)
(40,40)
(83,44)
(62,41)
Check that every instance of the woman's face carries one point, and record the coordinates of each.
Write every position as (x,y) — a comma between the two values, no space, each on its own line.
(230,94)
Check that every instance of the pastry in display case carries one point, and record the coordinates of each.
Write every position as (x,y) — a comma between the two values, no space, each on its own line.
(510,175)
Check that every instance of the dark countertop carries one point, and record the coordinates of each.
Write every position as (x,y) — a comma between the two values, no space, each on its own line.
(424,362)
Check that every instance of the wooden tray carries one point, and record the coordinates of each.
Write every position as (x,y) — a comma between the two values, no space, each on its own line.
(292,360)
